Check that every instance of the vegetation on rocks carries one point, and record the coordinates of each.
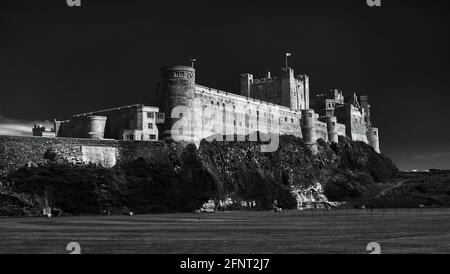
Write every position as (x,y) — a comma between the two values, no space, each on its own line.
(184,177)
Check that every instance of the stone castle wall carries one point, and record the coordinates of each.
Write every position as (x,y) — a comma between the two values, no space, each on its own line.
(195,112)
(20,151)
(321,131)
(235,114)
(340,128)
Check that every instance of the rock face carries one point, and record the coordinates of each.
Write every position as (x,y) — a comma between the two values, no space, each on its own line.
(292,175)
(173,177)
(312,197)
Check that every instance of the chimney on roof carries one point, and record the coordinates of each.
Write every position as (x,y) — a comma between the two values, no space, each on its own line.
(268,75)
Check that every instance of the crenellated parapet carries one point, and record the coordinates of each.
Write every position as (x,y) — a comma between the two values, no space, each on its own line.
(269,105)
(349,110)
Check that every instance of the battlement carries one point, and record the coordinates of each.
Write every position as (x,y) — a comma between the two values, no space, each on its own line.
(263,105)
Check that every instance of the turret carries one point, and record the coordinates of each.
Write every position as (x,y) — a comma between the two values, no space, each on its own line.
(177,88)
(304,79)
(331,129)
(374,139)
(246,82)
(308,131)
(366,107)
(96,127)
(289,95)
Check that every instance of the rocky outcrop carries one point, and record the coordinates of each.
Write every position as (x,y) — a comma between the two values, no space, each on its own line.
(312,197)
(292,175)
(172,177)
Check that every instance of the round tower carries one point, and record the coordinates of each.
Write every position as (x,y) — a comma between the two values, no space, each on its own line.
(96,127)
(177,88)
(307,125)
(374,139)
(331,129)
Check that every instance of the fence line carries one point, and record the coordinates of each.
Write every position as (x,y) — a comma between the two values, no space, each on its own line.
(368,212)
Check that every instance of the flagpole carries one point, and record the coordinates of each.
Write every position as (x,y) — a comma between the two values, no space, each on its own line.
(287,54)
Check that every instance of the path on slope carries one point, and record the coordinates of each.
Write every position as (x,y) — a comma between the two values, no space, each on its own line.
(389,188)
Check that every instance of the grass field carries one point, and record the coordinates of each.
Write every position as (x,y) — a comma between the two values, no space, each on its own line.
(337,231)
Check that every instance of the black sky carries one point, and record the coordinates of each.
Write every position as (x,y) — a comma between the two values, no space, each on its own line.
(56,61)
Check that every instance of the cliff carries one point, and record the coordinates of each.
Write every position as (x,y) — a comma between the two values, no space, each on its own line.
(171,177)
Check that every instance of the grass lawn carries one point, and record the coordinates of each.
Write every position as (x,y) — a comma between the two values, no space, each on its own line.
(336,231)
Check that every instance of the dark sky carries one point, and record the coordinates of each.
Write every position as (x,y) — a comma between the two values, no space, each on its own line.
(56,61)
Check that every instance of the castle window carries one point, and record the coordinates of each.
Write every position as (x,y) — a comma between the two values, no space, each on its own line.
(150,115)
(257,113)
(292,120)
(234,122)
(223,104)
(310,115)
(334,124)
(212,102)
(152,137)
(285,119)
(150,125)
(218,104)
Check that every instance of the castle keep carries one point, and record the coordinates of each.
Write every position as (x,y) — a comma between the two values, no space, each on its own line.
(191,112)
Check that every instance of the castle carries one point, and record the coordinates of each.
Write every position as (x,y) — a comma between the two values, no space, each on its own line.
(191,112)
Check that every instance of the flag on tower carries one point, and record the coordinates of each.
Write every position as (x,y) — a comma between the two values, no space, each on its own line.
(288,54)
